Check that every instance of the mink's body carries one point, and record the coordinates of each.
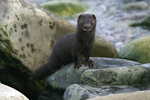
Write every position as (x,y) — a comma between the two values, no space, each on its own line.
(70,47)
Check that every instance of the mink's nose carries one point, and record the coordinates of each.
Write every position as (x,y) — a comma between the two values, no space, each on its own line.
(87,27)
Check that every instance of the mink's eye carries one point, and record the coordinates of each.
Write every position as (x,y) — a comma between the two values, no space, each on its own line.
(82,22)
(91,23)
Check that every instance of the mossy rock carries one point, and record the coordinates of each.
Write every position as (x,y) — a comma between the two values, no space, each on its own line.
(132,75)
(24,28)
(142,22)
(137,50)
(65,8)
(135,6)
(103,48)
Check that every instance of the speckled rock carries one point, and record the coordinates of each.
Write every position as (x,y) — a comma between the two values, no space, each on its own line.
(116,76)
(140,95)
(135,6)
(27,35)
(65,8)
(8,93)
(137,50)
(67,75)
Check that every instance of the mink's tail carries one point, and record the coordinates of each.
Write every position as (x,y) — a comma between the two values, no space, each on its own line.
(42,72)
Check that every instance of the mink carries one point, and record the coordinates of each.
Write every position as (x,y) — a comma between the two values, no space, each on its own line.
(70,47)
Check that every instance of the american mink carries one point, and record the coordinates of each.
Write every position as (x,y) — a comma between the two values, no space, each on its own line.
(70,47)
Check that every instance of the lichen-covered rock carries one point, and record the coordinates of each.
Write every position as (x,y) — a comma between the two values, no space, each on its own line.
(140,95)
(135,6)
(66,76)
(65,8)
(116,76)
(8,93)
(142,22)
(137,50)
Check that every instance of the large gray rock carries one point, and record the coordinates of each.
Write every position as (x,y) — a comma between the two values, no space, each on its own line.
(66,76)
(8,93)
(83,92)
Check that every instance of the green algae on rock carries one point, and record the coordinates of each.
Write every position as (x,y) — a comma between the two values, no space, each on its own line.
(137,50)
(142,22)
(65,8)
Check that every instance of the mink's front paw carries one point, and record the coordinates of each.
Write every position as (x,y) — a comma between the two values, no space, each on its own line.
(90,63)
(78,65)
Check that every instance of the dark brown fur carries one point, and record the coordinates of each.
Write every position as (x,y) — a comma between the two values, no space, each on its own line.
(70,47)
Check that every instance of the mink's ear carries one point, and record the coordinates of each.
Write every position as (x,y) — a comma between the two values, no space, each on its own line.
(93,16)
(80,17)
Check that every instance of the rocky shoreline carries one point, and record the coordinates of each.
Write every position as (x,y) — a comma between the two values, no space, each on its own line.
(121,53)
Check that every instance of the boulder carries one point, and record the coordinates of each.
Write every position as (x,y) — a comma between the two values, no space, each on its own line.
(8,93)
(65,8)
(84,92)
(135,6)
(66,76)
(140,95)
(137,50)
(27,35)
(103,48)
(132,75)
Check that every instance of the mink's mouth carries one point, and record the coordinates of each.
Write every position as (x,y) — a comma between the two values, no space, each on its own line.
(87,30)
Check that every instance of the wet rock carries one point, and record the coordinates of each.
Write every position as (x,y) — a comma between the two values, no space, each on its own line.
(137,50)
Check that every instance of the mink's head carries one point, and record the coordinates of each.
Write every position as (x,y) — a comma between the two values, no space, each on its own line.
(86,22)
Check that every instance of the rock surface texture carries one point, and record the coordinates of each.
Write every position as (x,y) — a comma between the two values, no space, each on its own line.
(8,93)
(108,76)
(27,35)
(137,50)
